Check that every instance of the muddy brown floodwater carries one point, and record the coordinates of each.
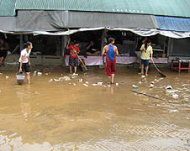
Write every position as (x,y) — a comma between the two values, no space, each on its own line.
(57,112)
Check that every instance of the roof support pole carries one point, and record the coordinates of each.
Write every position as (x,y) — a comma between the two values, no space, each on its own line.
(21,42)
(64,40)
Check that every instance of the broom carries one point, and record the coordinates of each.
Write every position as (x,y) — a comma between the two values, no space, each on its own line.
(82,64)
(158,70)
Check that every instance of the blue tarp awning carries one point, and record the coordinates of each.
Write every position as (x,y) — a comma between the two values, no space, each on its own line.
(173,23)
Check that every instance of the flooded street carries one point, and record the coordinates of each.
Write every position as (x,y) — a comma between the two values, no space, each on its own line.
(70,114)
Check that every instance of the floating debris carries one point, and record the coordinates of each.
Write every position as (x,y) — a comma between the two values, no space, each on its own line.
(80,80)
(151,85)
(135,86)
(97,84)
(51,80)
(117,84)
(173,111)
(175,96)
(86,85)
(39,73)
(7,77)
(169,87)
(35,72)
(65,78)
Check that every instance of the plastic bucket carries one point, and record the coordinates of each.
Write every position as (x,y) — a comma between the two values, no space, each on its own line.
(20,78)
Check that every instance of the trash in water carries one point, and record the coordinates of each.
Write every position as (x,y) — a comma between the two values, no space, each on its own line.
(1,73)
(7,77)
(47,74)
(74,84)
(173,111)
(39,73)
(135,86)
(168,87)
(35,72)
(65,78)
(143,76)
(156,80)
(75,74)
(87,82)
(175,96)
(99,83)
(152,82)
(51,80)
(85,85)
(117,84)
(151,85)
(70,83)
(80,80)
(56,80)
(140,82)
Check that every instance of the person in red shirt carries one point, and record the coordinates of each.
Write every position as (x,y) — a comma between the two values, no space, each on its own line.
(73,58)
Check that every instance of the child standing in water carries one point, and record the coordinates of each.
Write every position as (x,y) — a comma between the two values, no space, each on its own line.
(110,51)
(73,58)
(24,60)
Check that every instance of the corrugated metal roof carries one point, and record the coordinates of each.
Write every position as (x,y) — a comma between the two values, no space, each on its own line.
(7,7)
(155,7)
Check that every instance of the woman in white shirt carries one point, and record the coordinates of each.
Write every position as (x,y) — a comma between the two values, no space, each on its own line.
(24,60)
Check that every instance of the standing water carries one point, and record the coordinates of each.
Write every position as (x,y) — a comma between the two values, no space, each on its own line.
(60,112)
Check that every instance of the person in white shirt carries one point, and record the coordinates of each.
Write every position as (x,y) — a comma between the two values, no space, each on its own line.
(24,60)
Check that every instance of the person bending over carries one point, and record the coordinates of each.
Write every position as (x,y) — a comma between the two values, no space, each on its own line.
(24,60)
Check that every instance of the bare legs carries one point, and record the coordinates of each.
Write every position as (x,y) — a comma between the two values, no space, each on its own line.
(146,71)
(111,78)
(142,70)
(71,69)
(28,77)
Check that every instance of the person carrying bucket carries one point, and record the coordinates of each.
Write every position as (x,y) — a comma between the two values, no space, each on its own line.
(24,60)
(110,51)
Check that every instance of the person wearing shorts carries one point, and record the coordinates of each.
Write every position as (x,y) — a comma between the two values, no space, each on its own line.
(110,51)
(24,60)
(146,56)
(73,57)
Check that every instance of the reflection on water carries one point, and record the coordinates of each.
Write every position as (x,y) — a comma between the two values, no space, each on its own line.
(56,116)
(23,93)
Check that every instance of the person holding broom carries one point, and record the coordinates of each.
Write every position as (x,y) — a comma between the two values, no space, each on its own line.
(111,52)
(146,56)
(73,58)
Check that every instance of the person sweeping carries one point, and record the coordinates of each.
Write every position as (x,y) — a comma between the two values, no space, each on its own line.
(73,58)
(146,56)
(111,52)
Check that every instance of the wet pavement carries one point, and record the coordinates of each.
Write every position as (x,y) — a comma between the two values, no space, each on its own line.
(59,112)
